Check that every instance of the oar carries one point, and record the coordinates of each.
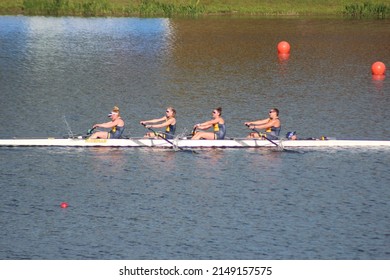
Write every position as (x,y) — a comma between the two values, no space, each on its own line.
(90,131)
(193,132)
(159,135)
(280,147)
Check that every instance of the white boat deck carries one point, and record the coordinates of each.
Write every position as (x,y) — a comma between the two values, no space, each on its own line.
(187,143)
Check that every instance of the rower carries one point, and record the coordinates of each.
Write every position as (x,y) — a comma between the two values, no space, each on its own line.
(218,124)
(116,124)
(168,121)
(271,125)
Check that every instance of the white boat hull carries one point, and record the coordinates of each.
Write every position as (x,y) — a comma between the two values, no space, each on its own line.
(187,143)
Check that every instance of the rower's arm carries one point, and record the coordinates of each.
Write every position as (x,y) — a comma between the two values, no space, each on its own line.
(258,122)
(107,124)
(153,121)
(164,124)
(206,125)
(266,125)
(203,126)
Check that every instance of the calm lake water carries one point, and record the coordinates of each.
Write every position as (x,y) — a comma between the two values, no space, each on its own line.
(61,74)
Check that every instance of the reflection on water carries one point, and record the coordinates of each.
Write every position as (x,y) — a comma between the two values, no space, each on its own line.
(110,162)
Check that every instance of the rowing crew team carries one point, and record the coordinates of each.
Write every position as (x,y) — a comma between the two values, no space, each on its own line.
(271,125)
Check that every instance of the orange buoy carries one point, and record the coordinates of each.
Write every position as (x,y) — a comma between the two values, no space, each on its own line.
(378,68)
(283,47)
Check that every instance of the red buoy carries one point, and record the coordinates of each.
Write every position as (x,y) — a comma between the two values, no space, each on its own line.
(378,68)
(64,205)
(283,47)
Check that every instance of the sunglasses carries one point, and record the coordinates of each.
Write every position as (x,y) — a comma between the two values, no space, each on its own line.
(215,112)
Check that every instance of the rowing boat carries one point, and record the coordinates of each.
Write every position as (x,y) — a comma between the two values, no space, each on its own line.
(187,143)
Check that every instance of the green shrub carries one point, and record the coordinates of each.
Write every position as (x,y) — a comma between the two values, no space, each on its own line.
(367,10)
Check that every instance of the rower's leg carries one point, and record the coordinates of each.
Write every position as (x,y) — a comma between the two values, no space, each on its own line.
(253,135)
(203,135)
(100,135)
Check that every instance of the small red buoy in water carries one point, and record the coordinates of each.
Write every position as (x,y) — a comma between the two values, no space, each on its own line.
(64,205)
(378,68)
(283,47)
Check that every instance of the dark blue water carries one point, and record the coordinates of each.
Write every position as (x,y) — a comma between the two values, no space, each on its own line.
(217,204)
(220,204)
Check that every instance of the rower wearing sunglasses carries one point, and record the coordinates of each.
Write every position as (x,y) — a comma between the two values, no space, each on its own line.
(168,121)
(218,124)
(271,125)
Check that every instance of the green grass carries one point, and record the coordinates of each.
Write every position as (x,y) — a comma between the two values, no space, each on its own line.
(152,7)
(173,8)
(67,7)
(367,10)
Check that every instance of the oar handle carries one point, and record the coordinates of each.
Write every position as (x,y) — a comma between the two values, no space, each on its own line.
(89,132)
(254,129)
(152,130)
(265,137)
(193,131)
(162,137)
(279,146)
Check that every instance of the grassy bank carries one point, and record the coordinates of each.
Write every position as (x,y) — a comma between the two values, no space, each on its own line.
(172,8)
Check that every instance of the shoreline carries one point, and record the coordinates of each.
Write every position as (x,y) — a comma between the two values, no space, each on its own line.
(375,9)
